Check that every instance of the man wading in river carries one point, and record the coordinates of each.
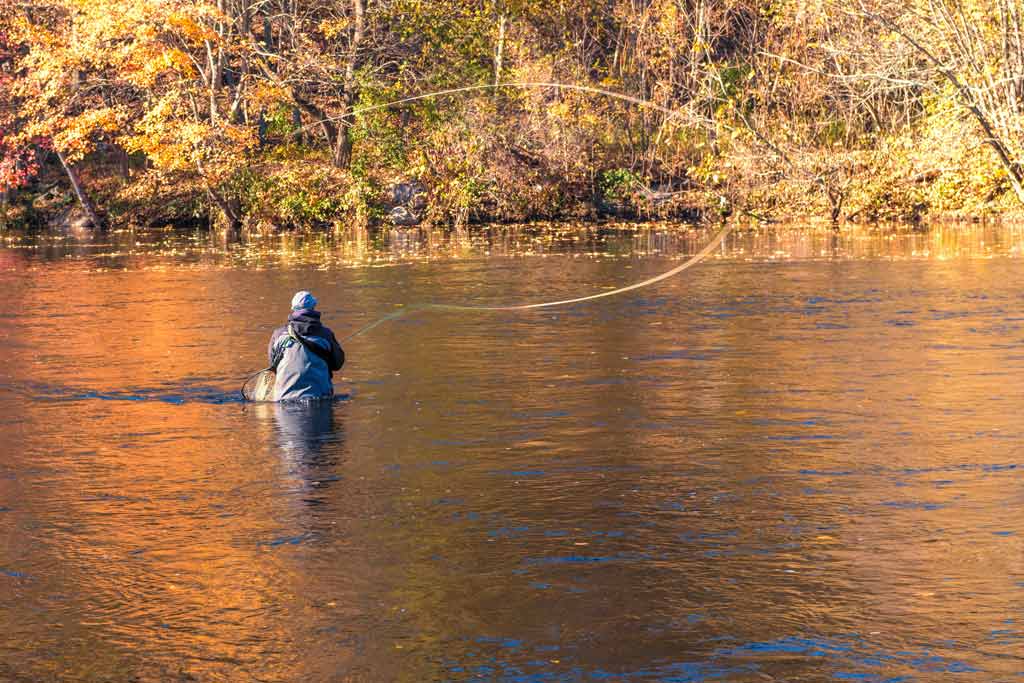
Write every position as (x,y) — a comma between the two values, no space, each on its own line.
(305,354)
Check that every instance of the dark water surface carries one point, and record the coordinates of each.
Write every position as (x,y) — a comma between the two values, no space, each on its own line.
(802,460)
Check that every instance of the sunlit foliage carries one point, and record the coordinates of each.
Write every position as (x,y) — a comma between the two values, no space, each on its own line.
(255,113)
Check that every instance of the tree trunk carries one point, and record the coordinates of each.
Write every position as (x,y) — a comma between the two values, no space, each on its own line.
(343,149)
(218,73)
(211,82)
(300,132)
(229,208)
(123,161)
(268,36)
(261,128)
(343,139)
(499,50)
(358,28)
(6,196)
(83,198)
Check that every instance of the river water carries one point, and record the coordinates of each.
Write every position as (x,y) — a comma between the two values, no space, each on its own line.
(802,460)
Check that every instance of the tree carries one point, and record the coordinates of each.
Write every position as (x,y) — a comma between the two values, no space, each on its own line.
(976,48)
(17,161)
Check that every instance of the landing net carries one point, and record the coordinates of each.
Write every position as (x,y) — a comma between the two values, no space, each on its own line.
(260,386)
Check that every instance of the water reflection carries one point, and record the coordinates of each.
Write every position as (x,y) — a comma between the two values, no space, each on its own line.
(303,428)
(310,441)
(799,462)
(154,248)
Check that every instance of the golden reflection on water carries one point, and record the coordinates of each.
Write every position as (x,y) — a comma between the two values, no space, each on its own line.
(812,438)
(386,247)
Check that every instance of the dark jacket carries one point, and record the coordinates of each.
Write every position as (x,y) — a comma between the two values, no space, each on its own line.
(307,356)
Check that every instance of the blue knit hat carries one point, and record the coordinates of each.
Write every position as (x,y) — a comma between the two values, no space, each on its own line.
(303,301)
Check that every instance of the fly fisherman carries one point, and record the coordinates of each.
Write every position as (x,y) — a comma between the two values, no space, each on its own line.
(304,353)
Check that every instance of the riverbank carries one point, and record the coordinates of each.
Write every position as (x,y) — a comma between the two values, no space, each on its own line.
(306,192)
(355,115)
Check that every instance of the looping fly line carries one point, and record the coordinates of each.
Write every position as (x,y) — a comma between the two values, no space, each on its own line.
(671,113)
(259,385)
(260,378)
(689,263)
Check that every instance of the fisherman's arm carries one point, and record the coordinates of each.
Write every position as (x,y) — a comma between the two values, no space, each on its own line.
(337,355)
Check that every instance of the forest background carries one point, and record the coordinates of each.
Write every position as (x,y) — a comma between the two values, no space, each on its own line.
(266,114)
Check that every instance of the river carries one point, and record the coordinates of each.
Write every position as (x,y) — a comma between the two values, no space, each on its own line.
(801,460)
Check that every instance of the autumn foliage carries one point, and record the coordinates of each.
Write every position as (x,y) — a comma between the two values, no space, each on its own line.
(267,114)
